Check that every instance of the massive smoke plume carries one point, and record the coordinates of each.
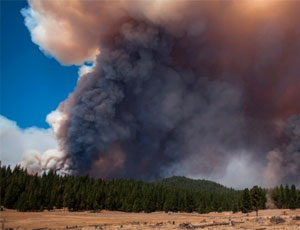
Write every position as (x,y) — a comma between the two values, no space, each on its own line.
(177,86)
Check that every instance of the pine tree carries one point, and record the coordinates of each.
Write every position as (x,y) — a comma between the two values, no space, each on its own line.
(137,206)
(257,198)
(189,203)
(22,203)
(246,201)
(275,195)
(202,208)
(11,195)
(283,197)
(293,198)
(171,202)
(235,208)
(287,196)
(298,199)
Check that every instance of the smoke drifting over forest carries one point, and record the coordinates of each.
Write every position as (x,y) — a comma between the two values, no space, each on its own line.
(177,87)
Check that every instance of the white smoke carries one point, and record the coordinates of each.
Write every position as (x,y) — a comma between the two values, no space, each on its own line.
(15,141)
(85,69)
(54,119)
(243,172)
(36,162)
(34,148)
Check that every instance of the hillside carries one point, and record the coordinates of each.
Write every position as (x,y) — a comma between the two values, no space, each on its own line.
(195,185)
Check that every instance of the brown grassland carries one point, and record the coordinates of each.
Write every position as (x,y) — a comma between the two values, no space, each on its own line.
(61,219)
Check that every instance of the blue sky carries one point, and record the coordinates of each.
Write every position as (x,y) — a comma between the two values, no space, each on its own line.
(32,84)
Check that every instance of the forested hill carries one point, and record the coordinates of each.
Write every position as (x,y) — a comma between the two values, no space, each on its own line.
(194,185)
(25,192)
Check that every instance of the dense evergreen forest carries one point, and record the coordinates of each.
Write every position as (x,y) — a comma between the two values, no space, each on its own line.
(25,192)
(195,185)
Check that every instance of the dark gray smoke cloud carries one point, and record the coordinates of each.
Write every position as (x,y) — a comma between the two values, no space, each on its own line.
(178,86)
(156,113)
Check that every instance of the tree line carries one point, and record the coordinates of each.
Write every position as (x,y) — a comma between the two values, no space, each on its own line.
(25,192)
(286,197)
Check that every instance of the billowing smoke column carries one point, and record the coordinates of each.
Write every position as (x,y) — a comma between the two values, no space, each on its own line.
(177,86)
(136,112)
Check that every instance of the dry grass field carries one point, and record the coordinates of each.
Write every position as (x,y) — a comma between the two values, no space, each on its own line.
(142,221)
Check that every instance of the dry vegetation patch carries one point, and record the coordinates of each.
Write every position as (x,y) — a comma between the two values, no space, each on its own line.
(107,220)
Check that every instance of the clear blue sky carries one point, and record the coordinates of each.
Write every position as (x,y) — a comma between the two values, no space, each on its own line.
(32,84)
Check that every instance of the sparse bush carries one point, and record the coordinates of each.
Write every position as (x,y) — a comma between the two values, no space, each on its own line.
(277,220)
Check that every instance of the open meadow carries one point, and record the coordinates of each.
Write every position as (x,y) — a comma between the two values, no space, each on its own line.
(60,219)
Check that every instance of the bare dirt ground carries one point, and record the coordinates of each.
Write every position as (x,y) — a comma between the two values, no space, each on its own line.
(142,221)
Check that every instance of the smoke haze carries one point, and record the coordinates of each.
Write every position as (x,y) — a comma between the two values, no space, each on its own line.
(198,88)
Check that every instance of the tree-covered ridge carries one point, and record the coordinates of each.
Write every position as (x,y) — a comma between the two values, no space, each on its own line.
(198,185)
(25,192)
